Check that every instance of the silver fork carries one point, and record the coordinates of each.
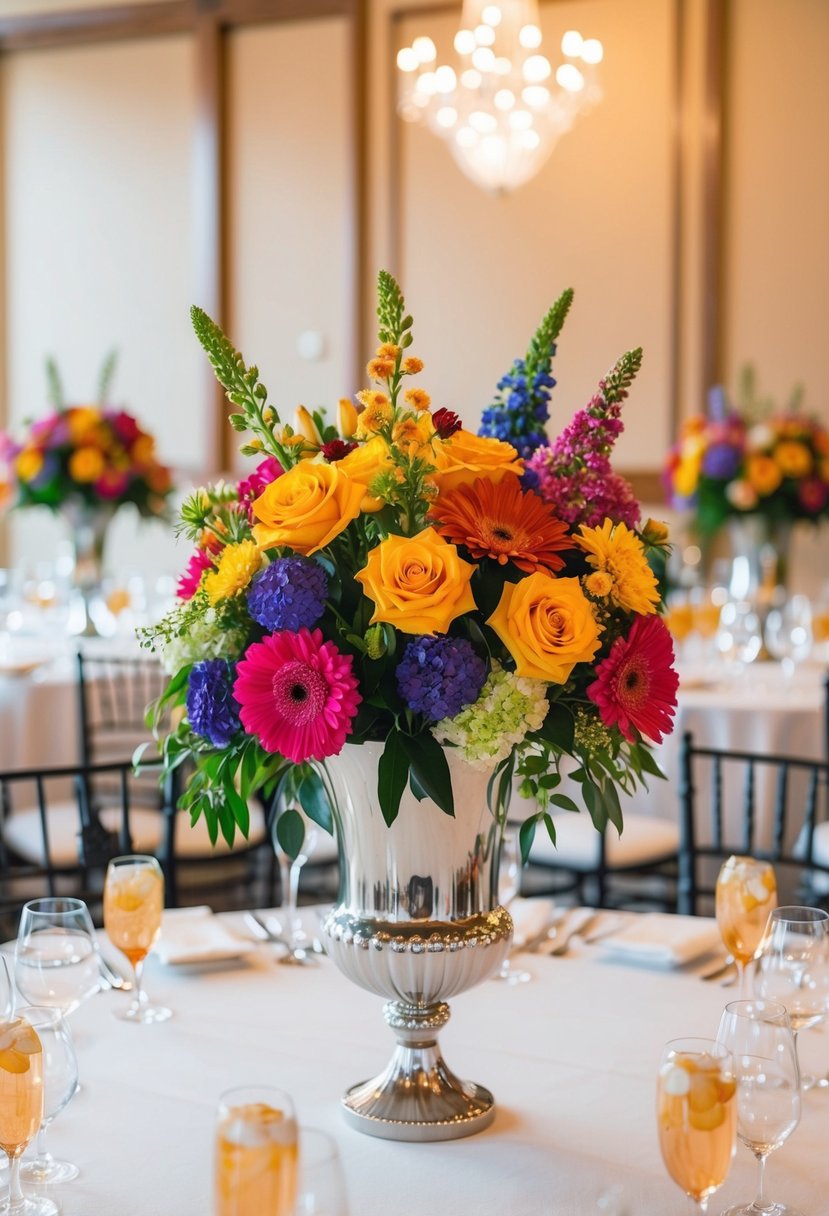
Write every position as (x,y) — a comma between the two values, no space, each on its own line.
(113,978)
(558,948)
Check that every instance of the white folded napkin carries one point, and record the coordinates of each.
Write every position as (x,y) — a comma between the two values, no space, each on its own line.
(529,916)
(663,940)
(195,935)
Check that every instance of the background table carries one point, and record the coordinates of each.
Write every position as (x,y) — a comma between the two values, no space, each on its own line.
(571,1057)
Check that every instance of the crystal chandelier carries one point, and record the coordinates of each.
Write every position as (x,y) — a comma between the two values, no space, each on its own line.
(503,107)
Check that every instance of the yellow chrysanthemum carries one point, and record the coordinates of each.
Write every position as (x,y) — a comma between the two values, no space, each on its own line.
(794,459)
(411,433)
(380,369)
(377,413)
(388,350)
(411,365)
(237,566)
(617,551)
(86,464)
(28,463)
(763,475)
(599,583)
(417,398)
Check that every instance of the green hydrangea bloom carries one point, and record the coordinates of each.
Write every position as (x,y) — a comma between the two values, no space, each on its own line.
(508,708)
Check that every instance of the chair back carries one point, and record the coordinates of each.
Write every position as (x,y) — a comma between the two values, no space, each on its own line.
(749,804)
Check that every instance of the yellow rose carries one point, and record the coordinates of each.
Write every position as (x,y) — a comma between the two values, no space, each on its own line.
(28,463)
(547,626)
(418,583)
(686,475)
(655,531)
(81,419)
(794,458)
(763,475)
(306,508)
(465,456)
(86,465)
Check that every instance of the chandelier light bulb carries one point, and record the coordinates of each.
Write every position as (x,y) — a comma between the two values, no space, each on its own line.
(536,69)
(536,96)
(445,79)
(465,42)
(446,117)
(427,84)
(483,59)
(504,99)
(425,50)
(484,35)
(529,37)
(570,78)
(491,15)
(483,122)
(571,44)
(592,51)
(471,79)
(407,61)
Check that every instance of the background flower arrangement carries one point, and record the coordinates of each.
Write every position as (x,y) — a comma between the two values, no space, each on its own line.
(398,578)
(750,458)
(85,456)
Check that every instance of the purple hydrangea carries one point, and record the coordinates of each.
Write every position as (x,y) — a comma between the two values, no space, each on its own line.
(290,593)
(438,675)
(211,707)
(721,461)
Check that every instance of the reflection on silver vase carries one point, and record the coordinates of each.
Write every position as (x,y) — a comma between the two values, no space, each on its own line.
(417,922)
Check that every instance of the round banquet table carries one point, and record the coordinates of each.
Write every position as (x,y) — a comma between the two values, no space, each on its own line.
(571,1057)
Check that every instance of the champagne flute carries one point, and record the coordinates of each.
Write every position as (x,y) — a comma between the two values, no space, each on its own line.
(697,1112)
(794,964)
(759,1036)
(60,1083)
(21,1110)
(509,884)
(256,1153)
(56,959)
(746,892)
(133,902)
(299,952)
(321,1182)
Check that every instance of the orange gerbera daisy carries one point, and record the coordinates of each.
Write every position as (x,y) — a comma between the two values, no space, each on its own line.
(501,521)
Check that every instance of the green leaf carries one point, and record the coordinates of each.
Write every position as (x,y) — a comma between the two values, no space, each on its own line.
(595,804)
(314,800)
(566,804)
(393,773)
(430,769)
(526,836)
(613,806)
(648,763)
(106,376)
(290,832)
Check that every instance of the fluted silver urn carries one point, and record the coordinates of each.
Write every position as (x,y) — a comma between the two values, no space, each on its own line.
(417,922)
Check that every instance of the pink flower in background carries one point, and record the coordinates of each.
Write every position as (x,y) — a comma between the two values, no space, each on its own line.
(298,694)
(189,582)
(636,685)
(265,472)
(112,484)
(124,425)
(813,494)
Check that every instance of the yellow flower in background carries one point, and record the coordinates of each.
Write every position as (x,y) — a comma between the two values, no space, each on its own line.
(388,350)
(418,583)
(411,365)
(616,550)
(306,507)
(86,464)
(305,426)
(411,433)
(599,583)
(794,459)
(655,531)
(380,369)
(143,450)
(763,474)
(547,625)
(237,566)
(347,417)
(464,457)
(377,413)
(417,398)
(81,419)
(28,463)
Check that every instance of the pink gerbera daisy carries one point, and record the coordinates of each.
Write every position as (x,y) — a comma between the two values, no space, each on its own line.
(635,686)
(190,581)
(298,694)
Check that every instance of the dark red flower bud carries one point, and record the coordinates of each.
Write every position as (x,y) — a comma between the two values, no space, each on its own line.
(446,423)
(336,449)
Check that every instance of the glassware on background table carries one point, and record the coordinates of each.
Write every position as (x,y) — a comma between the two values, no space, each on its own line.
(793,968)
(21,1110)
(679,617)
(56,959)
(788,633)
(509,885)
(697,1114)
(746,892)
(739,638)
(60,1082)
(759,1036)
(256,1153)
(321,1187)
(300,950)
(133,903)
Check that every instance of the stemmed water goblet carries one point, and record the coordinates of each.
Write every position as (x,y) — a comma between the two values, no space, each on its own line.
(56,959)
(509,885)
(292,856)
(21,1110)
(697,1113)
(60,1082)
(256,1153)
(746,892)
(759,1036)
(794,966)
(133,903)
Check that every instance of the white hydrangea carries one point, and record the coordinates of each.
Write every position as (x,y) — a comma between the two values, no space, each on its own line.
(205,638)
(507,709)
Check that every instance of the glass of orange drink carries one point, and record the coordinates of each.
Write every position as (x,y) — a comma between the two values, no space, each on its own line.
(697,1115)
(256,1153)
(746,893)
(133,903)
(21,1109)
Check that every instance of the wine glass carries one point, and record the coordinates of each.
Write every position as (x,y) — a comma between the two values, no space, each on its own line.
(739,635)
(21,1110)
(746,892)
(697,1112)
(60,1082)
(321,1181)
(509,884)
(56,959)
(256,1153)
(788,634)
(133,902)
(794,966)
(759,1036)
(299,952)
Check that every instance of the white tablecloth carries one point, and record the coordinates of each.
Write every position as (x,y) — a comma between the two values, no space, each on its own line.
(571,1057)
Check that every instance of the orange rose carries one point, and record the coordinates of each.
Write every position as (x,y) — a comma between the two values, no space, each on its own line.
(306,508)
(459,460)
(547,626)
(418,583)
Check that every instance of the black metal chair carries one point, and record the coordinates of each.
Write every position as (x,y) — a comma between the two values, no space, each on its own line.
(783,807)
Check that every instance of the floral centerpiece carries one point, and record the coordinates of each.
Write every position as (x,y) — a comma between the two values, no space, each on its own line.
(750,459)
(398,579)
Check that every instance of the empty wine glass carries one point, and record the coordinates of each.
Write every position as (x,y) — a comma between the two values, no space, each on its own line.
(321,1181)
(697,1114)
(788,634)
(133,903)
(60,1082)
(56,959)
(509,884)
(759,1036)
(291,860)
(794,966)
(746,892)
(256,1153)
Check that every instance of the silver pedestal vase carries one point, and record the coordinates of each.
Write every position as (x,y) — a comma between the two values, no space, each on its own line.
(417,922)
(88,527)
